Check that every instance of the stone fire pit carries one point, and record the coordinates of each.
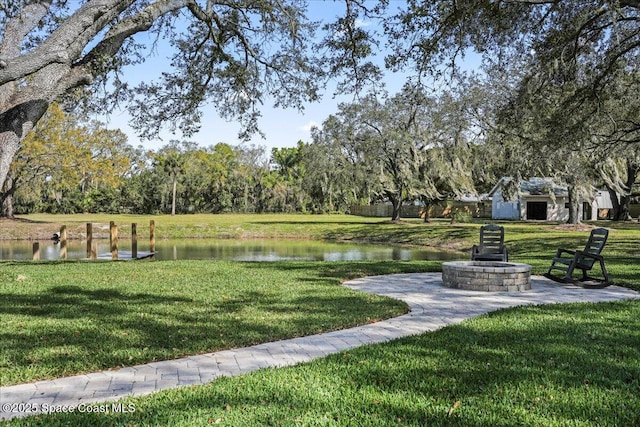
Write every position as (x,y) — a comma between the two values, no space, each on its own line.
(486,276)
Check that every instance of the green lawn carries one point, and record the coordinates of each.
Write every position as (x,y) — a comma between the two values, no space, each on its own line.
(69,317)
(554,365)
(557,365)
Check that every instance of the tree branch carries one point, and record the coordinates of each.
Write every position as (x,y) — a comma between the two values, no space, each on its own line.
(66,43)
(18,28)
(126,28)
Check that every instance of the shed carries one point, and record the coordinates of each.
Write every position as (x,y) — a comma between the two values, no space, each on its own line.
(541,199)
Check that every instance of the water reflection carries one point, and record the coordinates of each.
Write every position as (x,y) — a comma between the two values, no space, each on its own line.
(240,250)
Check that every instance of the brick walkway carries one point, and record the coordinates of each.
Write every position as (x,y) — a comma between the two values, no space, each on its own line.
(432,306)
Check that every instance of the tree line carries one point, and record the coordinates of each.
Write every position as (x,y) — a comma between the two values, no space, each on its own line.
(557,96)
(411,146)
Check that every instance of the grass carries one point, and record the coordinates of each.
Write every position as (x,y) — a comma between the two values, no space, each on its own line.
(552,365)
(318,227)
(65,318)
(557,365)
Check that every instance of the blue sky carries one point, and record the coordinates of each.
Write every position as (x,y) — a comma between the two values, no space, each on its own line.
(282,128)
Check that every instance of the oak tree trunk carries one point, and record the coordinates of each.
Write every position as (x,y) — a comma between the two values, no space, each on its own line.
(574,217)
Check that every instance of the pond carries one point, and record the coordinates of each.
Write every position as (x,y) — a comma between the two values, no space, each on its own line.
(229,249)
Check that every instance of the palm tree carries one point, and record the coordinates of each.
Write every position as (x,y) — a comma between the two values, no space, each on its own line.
(172,163)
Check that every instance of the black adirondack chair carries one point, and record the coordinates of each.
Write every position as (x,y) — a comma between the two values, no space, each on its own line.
(491,247)
(566,262)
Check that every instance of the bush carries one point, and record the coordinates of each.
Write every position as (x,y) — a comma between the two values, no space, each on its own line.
(461,215)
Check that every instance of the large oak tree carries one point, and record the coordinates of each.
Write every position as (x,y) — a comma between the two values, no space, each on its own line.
(411,145)
(579,59)
(235,53)
(583,49)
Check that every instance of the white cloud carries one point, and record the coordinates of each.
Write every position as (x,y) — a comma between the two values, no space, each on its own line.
(307,127)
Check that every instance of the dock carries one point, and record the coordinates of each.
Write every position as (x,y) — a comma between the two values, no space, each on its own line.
(126,256)
(114,254)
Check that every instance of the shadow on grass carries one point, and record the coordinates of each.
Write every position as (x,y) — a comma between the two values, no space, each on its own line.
(68,329)
(23,220)
(413,234)
(336,272)
(545,365)
(74,302)
(319,222)
(543,245)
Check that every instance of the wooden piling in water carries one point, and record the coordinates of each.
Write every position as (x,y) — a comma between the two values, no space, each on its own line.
(152,235)
(134,241)
(36,251)
(113,239)
(90,252)
(63,242)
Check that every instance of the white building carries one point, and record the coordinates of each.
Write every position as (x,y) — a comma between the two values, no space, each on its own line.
(542,199)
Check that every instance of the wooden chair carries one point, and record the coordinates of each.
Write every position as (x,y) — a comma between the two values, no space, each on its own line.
(567,261)
(491,247)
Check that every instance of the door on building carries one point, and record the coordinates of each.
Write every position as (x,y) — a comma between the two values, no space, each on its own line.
(586,211)
(537,210)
